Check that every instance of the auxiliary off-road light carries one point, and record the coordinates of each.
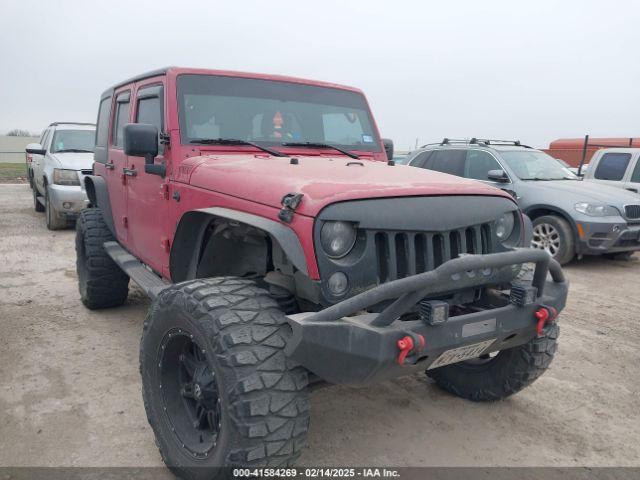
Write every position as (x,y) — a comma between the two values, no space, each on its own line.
(338,283)
(434,312)
(523,294)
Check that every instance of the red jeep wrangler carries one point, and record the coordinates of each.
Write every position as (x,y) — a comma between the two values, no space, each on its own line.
(283,251)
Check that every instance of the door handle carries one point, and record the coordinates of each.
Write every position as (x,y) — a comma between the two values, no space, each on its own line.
(130,172)
(635,190)
(109,165)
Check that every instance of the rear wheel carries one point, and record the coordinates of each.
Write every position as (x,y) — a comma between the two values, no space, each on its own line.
(54,220)
(554,234)
(101,282)
(497,376)
(217,386)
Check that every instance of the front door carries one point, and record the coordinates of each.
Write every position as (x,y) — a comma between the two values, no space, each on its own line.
(147,196)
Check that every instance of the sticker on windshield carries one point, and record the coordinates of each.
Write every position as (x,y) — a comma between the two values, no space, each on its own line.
(367,138)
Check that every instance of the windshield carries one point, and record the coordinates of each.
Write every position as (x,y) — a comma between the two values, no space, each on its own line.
(272,113)
(536,165)
(73,140)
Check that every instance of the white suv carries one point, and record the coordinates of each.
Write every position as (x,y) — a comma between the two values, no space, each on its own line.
(59,164)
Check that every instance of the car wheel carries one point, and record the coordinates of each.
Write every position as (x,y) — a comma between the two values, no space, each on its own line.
(54,222)
(554,234)
(496,376)
(217,386)
(101,282)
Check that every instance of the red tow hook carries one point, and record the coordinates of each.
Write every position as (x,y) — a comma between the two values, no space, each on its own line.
(406,345)
(545,315)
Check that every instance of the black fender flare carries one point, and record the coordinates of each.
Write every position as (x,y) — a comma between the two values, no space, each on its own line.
(558,211)
(98,193)
(185,250)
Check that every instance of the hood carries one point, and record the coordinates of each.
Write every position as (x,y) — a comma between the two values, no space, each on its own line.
(74,160)
(322,180)
(589,191)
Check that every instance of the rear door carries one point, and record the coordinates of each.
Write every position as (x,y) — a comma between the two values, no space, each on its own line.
(147,194)
(117,161)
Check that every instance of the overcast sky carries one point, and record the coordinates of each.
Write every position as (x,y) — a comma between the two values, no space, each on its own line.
(534,70)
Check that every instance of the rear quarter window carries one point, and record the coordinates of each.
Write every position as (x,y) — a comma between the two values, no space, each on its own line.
(448,161)
(612,166)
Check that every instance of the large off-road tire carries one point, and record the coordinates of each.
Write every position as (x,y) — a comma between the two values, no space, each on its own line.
(101,281)
(37,206)
(554,234)
(498,377)
(54,220)
(217,387)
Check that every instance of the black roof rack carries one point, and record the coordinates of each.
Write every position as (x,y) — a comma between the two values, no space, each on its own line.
(478,141)
(55,124)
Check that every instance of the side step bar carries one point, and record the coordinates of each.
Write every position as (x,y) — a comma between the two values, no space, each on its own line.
(148,281)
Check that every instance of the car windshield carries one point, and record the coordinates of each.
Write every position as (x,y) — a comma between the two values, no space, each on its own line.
(273,113)
(536,165)
(73,141)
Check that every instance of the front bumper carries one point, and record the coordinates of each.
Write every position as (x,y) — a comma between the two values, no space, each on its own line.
(67,200)
(608,237)
(341,345)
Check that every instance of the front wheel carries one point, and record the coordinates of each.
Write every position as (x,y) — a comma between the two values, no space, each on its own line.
(491,378)
(217,387)
(554,234)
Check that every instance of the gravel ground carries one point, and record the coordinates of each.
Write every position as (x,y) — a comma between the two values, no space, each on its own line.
(70,388)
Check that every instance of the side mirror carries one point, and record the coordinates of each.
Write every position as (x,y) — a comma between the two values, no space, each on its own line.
(388,147)
(141,140)
(498,176)
(35,149)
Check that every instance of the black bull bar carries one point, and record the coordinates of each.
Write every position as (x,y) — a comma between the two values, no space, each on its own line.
(342,345)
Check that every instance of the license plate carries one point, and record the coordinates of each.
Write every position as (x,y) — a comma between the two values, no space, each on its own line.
(459,354)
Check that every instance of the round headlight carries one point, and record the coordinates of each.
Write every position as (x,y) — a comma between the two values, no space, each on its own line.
(504,226)
(337,238)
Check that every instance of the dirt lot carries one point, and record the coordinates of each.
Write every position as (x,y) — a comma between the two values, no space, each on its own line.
(70,388)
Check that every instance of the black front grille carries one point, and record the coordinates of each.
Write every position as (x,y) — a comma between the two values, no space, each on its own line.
(632,211)
(401,254)
(87,172)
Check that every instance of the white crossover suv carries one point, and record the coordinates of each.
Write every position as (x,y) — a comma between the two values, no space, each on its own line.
(59,164)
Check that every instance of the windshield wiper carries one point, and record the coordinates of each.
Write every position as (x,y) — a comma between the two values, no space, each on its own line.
(235,141)
(320,145)
(73,150)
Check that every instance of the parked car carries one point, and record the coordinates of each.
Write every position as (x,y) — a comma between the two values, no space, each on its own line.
(569,217)
(400,159)
(58,164)
(618,167)
(282,250)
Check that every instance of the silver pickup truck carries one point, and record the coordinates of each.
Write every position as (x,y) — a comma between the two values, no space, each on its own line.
(618,167)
